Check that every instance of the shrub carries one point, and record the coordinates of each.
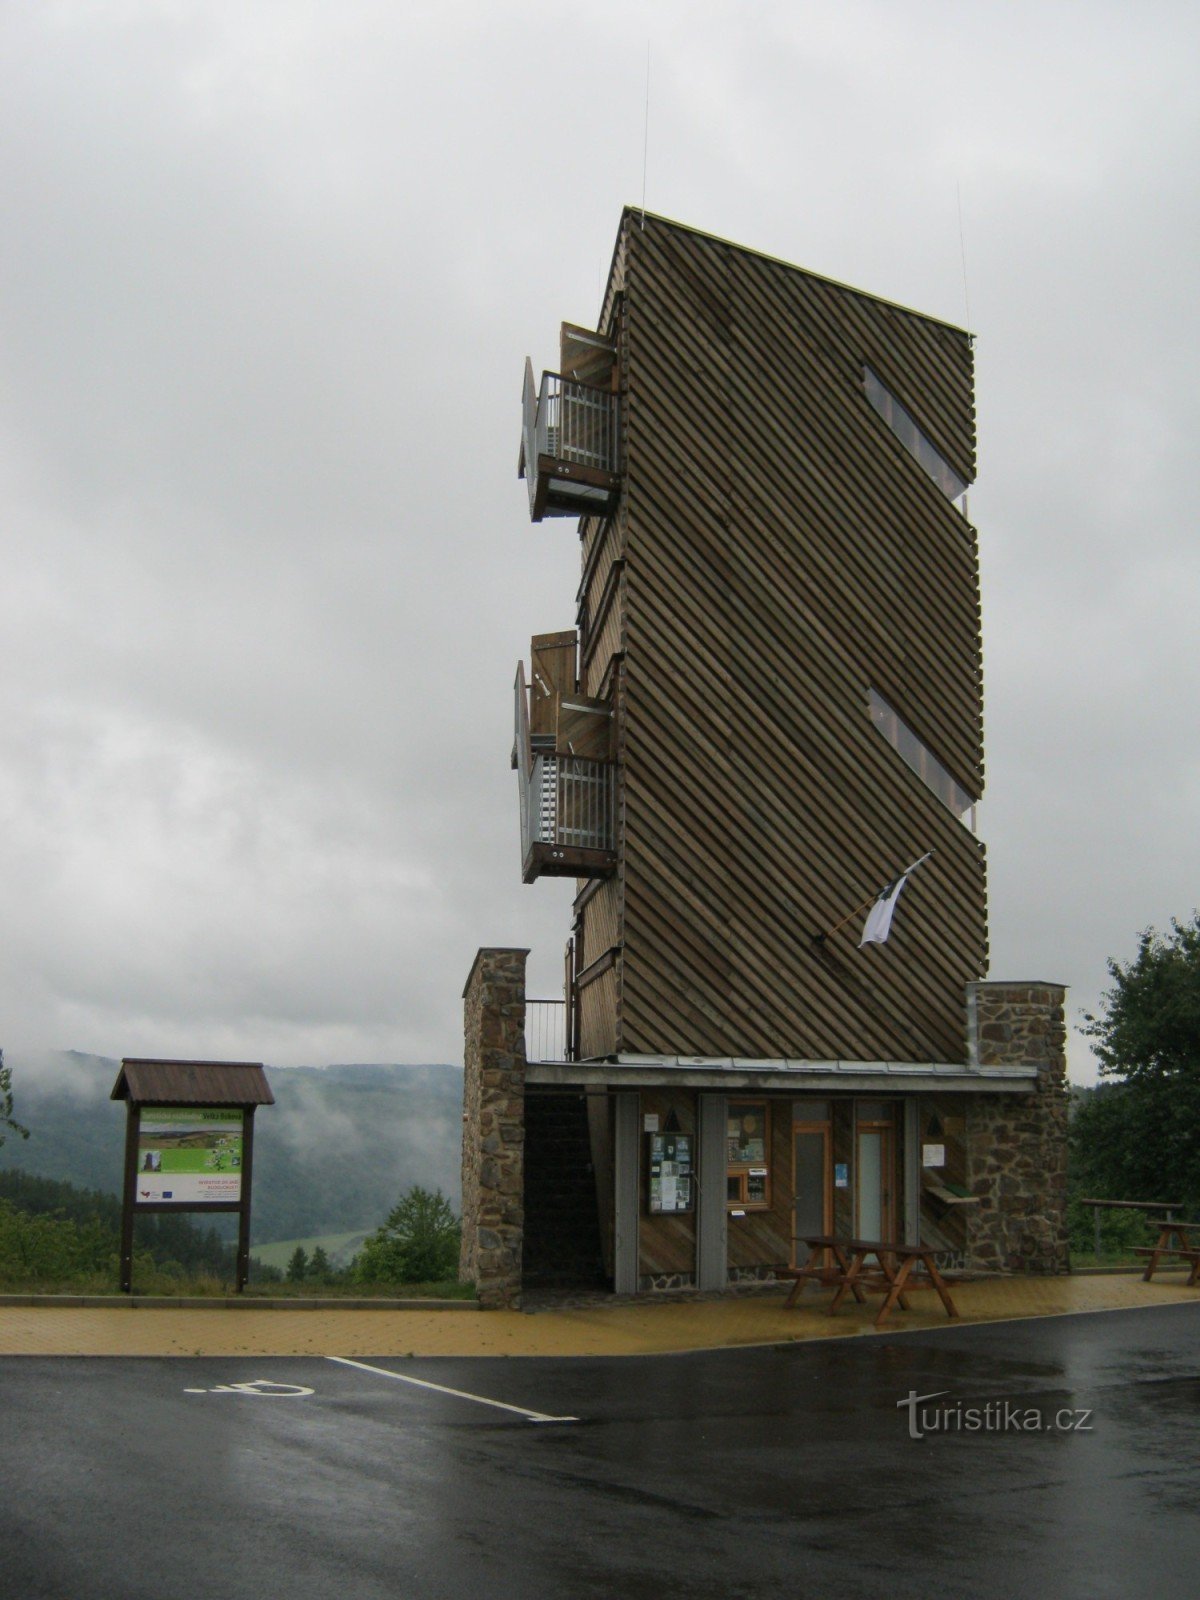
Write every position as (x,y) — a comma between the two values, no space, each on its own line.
(418,1243)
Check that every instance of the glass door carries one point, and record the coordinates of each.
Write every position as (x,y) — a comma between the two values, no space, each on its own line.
(812,1212)
(875,1197)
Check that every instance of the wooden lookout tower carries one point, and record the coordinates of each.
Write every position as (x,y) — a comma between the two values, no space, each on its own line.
(769,705)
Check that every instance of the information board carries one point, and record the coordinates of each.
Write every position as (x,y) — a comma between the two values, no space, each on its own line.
(189,1155)
(670,1176)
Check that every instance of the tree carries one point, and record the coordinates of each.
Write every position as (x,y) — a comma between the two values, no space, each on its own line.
(1139,1139)
(7,1122)
(418,1243)
(298,1265)
(51,1249)
(319,1270)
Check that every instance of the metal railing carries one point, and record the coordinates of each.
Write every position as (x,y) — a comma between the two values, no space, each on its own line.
(521,752)
(545,1030)
(1168,1207)
(568,421)
(571,802)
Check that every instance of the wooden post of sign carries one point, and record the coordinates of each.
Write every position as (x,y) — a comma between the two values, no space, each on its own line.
(132,1124)
(243,1246)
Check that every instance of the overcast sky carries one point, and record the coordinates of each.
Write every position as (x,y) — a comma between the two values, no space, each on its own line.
(270,273)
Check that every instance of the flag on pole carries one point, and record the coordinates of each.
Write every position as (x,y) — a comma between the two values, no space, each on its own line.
(879,918)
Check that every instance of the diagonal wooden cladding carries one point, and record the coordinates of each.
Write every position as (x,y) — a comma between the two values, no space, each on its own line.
(777,556)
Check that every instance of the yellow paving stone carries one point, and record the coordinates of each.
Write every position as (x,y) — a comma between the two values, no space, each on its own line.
(622,1328)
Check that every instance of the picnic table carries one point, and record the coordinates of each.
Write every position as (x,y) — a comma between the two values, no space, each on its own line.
(841,1262)
(1169,1206)
(1186,1250)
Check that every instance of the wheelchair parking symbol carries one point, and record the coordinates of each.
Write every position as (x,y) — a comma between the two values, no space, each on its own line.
(260,1386)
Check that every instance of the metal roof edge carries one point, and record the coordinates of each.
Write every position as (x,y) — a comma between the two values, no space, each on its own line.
(727,1073)
(603,1077)
(793,1064)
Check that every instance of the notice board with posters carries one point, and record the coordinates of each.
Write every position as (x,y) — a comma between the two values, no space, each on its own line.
(670,1177)
(189,1143)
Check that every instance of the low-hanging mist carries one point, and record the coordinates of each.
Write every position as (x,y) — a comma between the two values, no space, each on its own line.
(332,1155)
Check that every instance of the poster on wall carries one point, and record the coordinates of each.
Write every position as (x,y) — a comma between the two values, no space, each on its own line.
(746,1133)
(189,1155)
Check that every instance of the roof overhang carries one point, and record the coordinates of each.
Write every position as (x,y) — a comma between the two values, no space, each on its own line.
(738,1072)
(192,1083)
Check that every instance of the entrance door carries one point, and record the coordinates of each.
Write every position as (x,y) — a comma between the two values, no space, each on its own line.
(811,1168)
(876,1187)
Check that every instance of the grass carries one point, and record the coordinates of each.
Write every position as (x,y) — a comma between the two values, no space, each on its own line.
(207,1288)
(449,1289)
(1082,1260)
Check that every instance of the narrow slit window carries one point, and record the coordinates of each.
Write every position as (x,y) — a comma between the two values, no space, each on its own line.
(912,438)
(921,759)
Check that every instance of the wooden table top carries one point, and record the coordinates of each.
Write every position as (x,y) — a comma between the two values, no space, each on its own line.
(827,1241)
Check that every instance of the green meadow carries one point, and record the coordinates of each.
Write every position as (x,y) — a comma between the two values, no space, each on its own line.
(339,1247)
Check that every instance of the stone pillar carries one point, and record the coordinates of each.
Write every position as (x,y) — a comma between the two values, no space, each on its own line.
(493,1161)
(1017,1144)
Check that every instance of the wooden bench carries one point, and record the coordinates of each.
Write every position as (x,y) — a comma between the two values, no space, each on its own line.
(1180,1241)
(817,1270)
(898,1269)
(1176,1255)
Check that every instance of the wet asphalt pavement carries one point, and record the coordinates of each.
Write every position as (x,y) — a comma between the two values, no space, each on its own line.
(786,1471)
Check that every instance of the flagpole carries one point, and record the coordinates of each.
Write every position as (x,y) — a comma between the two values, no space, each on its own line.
(819,938)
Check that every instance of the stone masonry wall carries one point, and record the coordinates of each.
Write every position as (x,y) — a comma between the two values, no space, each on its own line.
(1017,1144)
(493,1162)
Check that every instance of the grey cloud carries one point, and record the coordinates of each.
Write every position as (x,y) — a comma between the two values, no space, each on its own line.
(267,567)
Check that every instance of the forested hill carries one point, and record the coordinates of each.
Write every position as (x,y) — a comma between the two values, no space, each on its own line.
(332,1154)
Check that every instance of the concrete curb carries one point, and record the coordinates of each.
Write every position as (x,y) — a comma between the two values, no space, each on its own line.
(160,1302)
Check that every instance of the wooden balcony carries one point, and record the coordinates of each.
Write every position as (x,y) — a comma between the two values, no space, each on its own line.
(567,793)
(566,818)
(568,447)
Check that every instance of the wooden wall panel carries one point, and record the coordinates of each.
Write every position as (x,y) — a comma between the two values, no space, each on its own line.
(601,915)
(605,636)
(667,1244)
(783,555)
(942,1120)
(598,1018)
(551,671)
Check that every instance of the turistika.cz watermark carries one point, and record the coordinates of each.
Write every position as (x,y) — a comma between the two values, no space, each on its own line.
(995,1416)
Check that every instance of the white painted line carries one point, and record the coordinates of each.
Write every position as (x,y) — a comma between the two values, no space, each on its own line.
(440,1388)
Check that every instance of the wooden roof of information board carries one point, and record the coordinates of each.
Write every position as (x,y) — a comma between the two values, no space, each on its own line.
(192,1083)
